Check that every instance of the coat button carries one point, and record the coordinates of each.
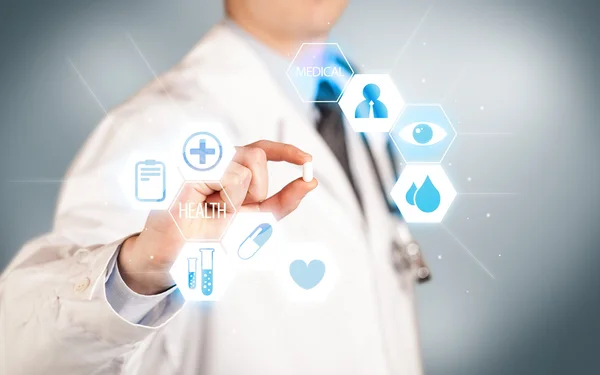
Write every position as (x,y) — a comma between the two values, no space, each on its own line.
(413,249)
(82,285)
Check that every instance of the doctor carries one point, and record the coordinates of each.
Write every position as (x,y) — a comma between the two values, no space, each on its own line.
(94,295)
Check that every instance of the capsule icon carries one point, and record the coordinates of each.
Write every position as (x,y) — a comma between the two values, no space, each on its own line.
(257,238)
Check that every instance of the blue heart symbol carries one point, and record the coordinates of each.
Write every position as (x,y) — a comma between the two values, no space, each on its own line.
(307,276)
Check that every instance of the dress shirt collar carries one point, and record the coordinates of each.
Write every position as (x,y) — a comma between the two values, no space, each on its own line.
(278,65)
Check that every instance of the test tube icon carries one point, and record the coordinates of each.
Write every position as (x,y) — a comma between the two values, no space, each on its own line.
(206,263)
(192,266)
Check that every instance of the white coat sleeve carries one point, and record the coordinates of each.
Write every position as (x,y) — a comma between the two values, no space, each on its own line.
(55,317)
(54,313)
(133,307)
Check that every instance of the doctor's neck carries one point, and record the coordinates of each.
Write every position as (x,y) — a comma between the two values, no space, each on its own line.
(276,34)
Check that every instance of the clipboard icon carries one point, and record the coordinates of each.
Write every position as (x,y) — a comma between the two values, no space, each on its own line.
(150,181)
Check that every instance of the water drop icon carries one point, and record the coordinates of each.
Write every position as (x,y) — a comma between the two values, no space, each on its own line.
(410,194)
(426,198)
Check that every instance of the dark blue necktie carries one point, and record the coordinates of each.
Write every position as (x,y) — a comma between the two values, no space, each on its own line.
(331,127)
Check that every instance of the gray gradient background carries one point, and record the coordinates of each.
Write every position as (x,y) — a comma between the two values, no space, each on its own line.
(530,64)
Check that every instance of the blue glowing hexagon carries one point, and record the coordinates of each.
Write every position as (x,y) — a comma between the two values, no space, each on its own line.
(150,179)
(423,193)
(306,272)
(314,62)
(195,217)
(202,271)
(203,150)
(371,103)
(423,133)
(254,240)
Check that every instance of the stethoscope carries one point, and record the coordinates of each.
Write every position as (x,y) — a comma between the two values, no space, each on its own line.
(406,256)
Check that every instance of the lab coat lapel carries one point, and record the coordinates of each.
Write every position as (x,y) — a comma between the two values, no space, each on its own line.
(253,100)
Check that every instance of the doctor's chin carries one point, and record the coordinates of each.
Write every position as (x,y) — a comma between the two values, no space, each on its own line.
(280,187)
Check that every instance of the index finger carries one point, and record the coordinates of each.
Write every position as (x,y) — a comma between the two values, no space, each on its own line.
(276,151)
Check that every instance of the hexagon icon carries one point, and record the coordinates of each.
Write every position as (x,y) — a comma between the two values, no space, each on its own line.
(204,151)
(254,240)
(306,272)
(423,193)
(199,218)
(150,180)
(423,133)
(202,271)
(316,61)
(371,102)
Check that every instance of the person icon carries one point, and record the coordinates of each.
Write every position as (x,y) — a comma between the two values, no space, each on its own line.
(371,107)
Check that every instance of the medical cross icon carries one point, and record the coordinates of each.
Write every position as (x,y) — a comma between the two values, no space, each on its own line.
(202,151)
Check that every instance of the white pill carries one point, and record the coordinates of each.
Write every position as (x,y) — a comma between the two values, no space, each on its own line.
(307,172)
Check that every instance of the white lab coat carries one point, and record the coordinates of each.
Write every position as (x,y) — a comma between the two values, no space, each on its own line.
(55,318)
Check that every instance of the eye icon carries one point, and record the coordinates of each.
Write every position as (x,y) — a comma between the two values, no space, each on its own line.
(422,133)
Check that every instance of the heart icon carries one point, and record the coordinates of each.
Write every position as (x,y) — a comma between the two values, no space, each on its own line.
(309,275)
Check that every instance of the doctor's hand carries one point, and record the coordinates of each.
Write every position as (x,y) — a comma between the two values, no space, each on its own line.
(144,260)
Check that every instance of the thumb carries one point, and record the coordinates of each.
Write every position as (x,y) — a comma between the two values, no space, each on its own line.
(288,199)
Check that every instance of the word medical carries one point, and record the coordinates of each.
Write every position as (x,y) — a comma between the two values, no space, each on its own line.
(193,210)
(320,71)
